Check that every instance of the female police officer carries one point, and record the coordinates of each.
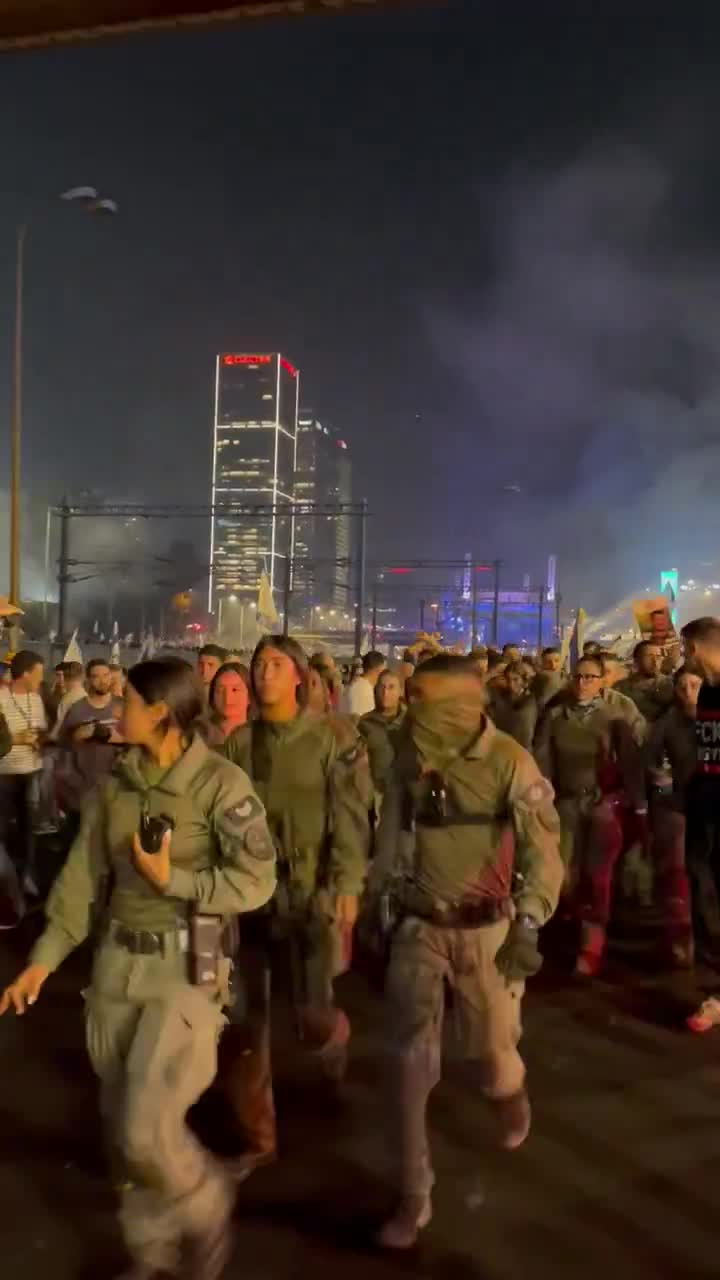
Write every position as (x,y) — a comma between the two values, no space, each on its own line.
(154,1007)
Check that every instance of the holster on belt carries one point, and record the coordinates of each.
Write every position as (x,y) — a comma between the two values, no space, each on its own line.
(207,962)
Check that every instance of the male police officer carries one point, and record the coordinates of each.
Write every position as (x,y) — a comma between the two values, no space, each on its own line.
(467,816)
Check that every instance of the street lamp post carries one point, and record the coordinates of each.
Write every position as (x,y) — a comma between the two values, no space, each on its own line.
(92,202)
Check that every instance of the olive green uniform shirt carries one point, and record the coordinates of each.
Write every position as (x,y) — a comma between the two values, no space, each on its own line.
(315,785)
(494,780)
(222,853)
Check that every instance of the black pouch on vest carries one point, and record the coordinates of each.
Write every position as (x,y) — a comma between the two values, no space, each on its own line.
(205,949)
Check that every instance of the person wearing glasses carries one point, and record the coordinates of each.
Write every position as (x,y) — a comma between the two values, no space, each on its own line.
(591,752)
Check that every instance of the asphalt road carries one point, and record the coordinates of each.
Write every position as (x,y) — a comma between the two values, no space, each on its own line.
(620,1177)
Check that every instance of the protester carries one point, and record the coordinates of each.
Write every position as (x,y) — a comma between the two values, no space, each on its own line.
(671,758)
(154,1007)
(52,696)
(651,691)
(478,808)
(210,659)
(317,798)
(549,680)
(702,807)
(511,653)
(91,737)
(229,702)
(359,697)
(380,727)
(585,747)
(512,707)
(325,663)
(319,692)
(74,692)
(615,669)
(24,713)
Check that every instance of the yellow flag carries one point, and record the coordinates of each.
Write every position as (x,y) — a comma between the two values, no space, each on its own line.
(266,610)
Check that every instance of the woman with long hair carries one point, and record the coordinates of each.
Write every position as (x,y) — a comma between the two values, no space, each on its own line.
(229,701)
(172,843)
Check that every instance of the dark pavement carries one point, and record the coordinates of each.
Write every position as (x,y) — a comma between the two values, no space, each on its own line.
(620,1177)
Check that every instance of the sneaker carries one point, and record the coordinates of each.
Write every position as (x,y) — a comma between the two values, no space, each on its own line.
(706,1017)
(401,1231)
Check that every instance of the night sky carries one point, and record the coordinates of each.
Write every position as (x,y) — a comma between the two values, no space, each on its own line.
(486,233)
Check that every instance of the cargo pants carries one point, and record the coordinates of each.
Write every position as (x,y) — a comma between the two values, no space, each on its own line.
(311,947)
(152,1039)
(591,841)
(487,1026)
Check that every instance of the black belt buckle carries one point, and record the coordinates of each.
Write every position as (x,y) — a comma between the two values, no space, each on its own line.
(140,942)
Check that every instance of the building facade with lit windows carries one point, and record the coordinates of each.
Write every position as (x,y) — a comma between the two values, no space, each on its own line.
(323,474)
(254,448)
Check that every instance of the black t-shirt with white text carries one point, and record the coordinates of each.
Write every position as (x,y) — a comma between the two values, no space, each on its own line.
(703,796)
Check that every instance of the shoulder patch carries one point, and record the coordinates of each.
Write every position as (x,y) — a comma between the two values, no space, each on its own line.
(244,812)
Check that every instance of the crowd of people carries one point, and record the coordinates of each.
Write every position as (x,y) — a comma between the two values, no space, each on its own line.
(249,819)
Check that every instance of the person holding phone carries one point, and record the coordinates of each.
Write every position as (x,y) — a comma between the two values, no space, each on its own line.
(169,847)
(90,736)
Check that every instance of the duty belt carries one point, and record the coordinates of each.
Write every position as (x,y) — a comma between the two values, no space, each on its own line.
(468,913)
(145,942)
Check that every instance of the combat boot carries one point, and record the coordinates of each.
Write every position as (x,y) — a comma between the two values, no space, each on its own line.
(411,1216)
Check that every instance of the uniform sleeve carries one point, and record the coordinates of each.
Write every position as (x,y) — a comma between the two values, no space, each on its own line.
(537,840)
(630,760)
(244,877)
(350,789)
(655,745)
(381,753)
(542,745)
(386,862)
(78,888)
(638,724)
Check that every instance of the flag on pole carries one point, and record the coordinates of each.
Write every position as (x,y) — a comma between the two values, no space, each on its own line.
(96,628)
(267,614)
(576,638)
(148,647)
(116,631)
(73,653)
(115,653)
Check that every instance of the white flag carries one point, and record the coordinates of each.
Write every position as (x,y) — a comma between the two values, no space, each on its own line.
(148,648)
(116,631)
(96,628)
(73,653)
(266,611)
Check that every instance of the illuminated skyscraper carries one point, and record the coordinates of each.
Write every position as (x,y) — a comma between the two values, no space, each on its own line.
(323,474)
(254,444)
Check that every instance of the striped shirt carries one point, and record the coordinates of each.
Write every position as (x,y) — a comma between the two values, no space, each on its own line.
(22,711)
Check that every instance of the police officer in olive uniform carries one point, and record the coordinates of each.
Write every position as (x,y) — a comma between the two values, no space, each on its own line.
(154,1006)
(316,788)
(468,852)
